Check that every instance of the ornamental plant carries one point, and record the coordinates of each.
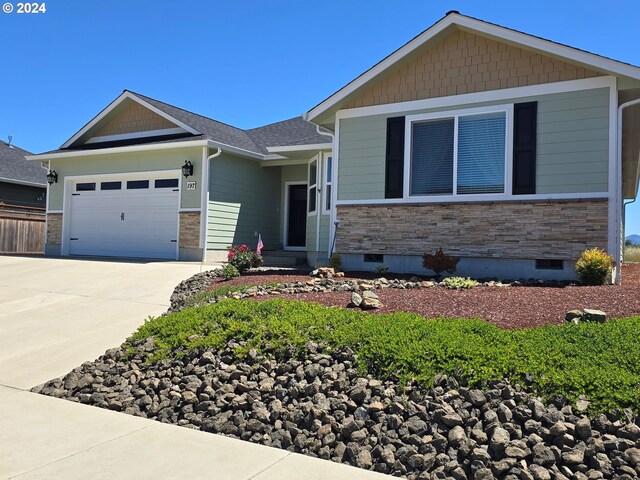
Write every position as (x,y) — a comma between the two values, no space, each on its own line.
(229,272)
(440,262)
(594,266)
(459,283)
(243,258)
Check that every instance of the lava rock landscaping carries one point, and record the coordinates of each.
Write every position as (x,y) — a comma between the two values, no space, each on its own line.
(318,405)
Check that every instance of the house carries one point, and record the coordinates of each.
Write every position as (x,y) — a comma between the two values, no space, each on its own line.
(22,183)
(511,151)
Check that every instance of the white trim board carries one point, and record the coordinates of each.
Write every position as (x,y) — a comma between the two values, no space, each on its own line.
(492,198)
(124,96)
(570,54)
(127,136)
(300,148)
(478,97)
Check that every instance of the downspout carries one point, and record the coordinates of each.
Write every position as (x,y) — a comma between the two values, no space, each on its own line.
(618,257)
(205,197)
(334,186)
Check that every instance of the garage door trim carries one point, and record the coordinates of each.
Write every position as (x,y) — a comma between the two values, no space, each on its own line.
(70,181)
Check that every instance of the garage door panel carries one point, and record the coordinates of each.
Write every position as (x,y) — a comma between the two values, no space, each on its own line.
(141,222)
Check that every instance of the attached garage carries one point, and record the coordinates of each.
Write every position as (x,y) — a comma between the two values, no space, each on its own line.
(124,216)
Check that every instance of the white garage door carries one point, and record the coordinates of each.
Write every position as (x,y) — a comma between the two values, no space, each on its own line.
(128,217)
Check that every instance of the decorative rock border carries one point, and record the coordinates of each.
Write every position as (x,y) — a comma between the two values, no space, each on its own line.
(318,405)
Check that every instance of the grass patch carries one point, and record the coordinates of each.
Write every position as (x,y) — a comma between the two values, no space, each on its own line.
(601,361)
(632,254)
(203,298)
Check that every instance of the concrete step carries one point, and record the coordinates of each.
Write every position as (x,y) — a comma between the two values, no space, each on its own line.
(283,258)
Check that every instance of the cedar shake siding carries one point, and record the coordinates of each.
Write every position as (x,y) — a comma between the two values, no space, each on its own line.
(467,63)
(133,118)
(517,230)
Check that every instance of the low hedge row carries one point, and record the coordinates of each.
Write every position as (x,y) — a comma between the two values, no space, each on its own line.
(599,361)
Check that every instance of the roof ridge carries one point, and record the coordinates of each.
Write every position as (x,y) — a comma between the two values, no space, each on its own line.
(185,110)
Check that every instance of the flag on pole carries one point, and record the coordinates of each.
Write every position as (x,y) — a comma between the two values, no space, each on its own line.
(260,244)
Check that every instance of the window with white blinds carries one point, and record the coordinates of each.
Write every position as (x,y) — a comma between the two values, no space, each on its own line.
(461,154)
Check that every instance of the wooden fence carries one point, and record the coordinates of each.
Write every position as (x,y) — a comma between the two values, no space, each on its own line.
(22,229)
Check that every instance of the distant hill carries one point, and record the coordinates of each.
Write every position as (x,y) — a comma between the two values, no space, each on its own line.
(635,239)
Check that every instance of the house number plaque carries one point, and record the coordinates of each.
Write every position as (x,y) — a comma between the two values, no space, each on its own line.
(191,185)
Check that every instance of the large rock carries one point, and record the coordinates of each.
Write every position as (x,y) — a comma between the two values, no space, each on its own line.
(590,315)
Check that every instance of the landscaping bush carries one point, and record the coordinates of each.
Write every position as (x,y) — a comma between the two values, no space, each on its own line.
(243,258)
(381,269)
(440,262)
(230,271)
(594,266)
(335,262)
(600,361)
(459,283)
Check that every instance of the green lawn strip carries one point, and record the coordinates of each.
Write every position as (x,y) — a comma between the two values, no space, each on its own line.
(221,291)
(601,361)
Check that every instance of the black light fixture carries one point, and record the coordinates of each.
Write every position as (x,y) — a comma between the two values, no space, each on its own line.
(52,177)
(187,169)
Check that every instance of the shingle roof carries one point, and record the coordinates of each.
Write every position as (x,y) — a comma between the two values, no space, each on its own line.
(295,131)
(13,166)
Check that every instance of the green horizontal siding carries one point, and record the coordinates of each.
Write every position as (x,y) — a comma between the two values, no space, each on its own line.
(244,198)
(573,143)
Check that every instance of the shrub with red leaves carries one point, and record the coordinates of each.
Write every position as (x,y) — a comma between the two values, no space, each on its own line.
(440,262)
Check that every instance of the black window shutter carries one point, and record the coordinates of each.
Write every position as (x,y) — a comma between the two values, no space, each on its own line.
(524,147)
(394,166)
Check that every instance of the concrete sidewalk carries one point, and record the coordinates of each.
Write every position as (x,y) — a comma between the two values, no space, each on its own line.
(57,313)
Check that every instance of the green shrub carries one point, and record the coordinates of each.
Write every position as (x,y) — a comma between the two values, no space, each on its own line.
(335,262)
(440,262)
(599,361)
(459,283)
(594,266)
(381,269)
(230,271)
(243,258)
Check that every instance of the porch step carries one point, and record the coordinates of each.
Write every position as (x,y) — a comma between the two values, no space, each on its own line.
(283,258)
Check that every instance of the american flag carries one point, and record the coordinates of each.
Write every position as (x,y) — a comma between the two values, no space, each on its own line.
(260,244)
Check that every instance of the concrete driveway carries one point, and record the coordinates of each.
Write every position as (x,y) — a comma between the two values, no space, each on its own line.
(56,314)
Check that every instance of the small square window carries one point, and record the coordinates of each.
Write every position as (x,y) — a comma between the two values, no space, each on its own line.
(547,264)
(137,184)
(110,185)
(85,187)
(373,258)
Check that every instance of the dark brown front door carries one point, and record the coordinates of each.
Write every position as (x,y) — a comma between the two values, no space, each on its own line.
(297,221)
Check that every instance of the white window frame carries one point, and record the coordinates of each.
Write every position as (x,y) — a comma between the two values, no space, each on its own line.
(507,109)
(315,185)
(327,181)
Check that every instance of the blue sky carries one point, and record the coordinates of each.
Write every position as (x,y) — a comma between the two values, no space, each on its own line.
(245,63)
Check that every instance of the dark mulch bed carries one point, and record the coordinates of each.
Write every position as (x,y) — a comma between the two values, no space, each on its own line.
(506,307)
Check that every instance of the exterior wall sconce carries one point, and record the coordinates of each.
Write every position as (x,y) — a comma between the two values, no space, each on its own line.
(187,169)
(52,177)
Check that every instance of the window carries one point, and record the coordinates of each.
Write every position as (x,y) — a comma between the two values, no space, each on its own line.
(373,258)
(166,183)
(85,187)
(137,184)
(110,185)
(327,181)
(313,185)
(459,154)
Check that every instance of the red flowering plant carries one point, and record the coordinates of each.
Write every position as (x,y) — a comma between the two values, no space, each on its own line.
(243,258)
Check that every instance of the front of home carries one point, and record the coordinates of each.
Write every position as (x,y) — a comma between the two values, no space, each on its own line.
(510,151)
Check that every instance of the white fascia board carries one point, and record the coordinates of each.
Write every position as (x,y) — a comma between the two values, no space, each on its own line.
(236,150)
(144,134)
(123,96)
(572,55)
(109,151)
(23,182)
(300,148)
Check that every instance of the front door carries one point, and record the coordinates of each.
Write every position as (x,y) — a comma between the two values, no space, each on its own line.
(297,221)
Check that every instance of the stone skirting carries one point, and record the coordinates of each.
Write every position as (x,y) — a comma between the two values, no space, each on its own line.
(189,230)
(524,230)
(54,229)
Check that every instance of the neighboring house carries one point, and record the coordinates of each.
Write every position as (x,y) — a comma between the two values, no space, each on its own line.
(498,146)
(22,183)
